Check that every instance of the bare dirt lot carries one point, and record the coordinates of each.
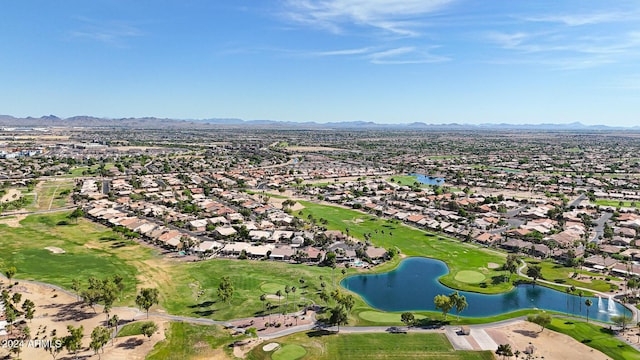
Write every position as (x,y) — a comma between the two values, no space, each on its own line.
(550,344)
(55,310)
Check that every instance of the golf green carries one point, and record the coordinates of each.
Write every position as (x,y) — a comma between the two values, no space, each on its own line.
(469,277)
(289,352)
(271,288)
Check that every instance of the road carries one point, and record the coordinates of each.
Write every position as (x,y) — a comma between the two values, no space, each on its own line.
(599,229)
(577,200)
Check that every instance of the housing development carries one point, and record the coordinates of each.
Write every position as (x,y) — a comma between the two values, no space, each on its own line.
(203,240)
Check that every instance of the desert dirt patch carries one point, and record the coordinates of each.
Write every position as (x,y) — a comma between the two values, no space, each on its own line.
(242,350)
(548,344)
(13,221)
(55,250)
(11,195)
(56,309)
(493,265)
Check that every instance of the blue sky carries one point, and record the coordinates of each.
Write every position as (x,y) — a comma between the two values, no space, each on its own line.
(435,61)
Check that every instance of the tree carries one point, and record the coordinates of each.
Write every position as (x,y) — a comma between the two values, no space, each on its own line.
(568,291)
(73,341)
(75,214)
(512,264)
(263,298)
(10,272)
(338,316)
(459,302)
(408,318)
(279,295)
(287,290)
(113,322)
(622,321)
(225,289)
(504,350)
(534,272)
(543,320)
(29,309)
(147,298)
(149,328)
(75,286)
(443,302)
(348,302)
(293,290)
(588,304)
(99,338)
(54,347)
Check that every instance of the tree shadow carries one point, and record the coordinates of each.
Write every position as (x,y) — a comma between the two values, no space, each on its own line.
(320,333)
(205,312)
(202,304)
(131,343)
(527,333)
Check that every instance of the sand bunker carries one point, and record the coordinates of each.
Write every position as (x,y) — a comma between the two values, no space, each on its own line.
(493,265)
(55,250)
(270,347)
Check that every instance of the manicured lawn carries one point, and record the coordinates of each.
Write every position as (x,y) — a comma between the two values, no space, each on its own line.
(596,337)
(406,180)
(616,203)
(90,250)
(134,328)
(325,345)
(186,341)
(413,242)
(560,274)
(289,352)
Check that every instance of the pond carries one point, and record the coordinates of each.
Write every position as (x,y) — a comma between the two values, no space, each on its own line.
(413,285)
(425,179)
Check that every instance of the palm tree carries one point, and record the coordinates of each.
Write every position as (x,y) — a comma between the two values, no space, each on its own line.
(287,290)
(279,295)
(573,303)
(263,297)
(459,302)
(293,290)
(580,294)
(588,304)
(568,291)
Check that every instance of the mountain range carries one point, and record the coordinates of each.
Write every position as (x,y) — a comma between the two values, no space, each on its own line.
(163,123)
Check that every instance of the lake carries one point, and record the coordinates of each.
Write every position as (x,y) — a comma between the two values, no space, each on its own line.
(425,179)
(414,283)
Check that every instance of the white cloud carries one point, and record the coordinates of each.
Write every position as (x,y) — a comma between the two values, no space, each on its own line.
(112,32)
(585,19)
(396,17)
(405,55)
(343,52)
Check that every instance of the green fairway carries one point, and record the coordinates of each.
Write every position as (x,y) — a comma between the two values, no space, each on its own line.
(289,352)
(187,341)
(560,274)
(271,288)
(616,203)
(134,328)
(413,242)
(326,345)
(89,250)
(406,180)
(596,337)
(193,290)
(384,317)
(469,277)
